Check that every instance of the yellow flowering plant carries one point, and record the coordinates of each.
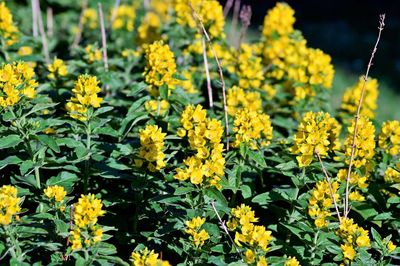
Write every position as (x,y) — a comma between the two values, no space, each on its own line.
(154,145)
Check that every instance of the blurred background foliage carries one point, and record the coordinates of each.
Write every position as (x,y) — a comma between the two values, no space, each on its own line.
(347,30)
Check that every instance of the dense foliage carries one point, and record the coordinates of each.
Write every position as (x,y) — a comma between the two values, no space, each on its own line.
(129,155)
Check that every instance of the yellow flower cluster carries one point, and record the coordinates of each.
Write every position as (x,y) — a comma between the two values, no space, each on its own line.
(156,107)
(253,128)
(209,11)
(249,69)
(56,192)
(160,67)
(9,204)
(255,237)
(16,80)
(355,179)
(90,18)
(8,31)
(390,246)
(57,69)
(147,257)
(149,29)
(86,213)
(352,96)
(206,167)
(237,99)
(292,261)
(290,58)
(124,17)
(279,20)
(187,84)
(321,202)
(353,236)
(26,51)
(392,175)
(85,96)
(364,145)
(389,137)
(317,132)
(92,54)
(193,228)
(151,148)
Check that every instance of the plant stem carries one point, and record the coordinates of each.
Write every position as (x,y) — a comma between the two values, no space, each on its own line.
(87,162)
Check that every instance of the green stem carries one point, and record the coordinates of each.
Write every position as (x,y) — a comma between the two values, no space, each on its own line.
(87,162)
(4,50)
(37,176)
(17,253)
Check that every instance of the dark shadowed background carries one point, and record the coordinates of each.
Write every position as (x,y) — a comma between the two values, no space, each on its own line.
(347,31)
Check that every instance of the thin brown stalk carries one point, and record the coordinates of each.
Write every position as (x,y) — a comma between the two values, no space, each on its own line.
(328,180)
(353,145)
(223,226)
(227,7)
(146,4)
(209,88)
(114,13)
(78,34)
(221,75)
(235,20)
(42,33)
(103,37)
(245,18)
(35,31)
(50,22)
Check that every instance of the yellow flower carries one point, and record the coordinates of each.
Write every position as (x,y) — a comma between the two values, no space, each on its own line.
(253,128)
(87,211)
(206,167)
(390,246)
(56,192)
(249,69)
(149,29)
(279,20)
(157,108)
(249,256)
(90,18)
(92,54)
(151,147)
(57,69)
(209,11)
(16,80)
(9,204)
(85,96)
(389,137)
(8,31)
(391,175)
(237,99)
(352,96)
(187,84)
(193,228)
(147,257)
(160,67)
(292,261)
(364,145)
(124,17)
(317,132)
(348,251)
(321,202)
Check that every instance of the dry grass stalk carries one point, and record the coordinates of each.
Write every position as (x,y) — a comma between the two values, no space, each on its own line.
(114,13)
(50,22)
(235,20)
(328,180)
(209,88)
(103,37)
(42,33)
(35,31)
(78,34)
(353,145)
(223,226)
(221,75)
(227,7)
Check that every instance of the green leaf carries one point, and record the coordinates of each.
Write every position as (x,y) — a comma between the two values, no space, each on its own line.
(64,179)
(103,110)
(9,141)
(262,199)
(164,92)
(258,157)
(246,191)
(49,142)
(10,160)
(39,107)
(376,236)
